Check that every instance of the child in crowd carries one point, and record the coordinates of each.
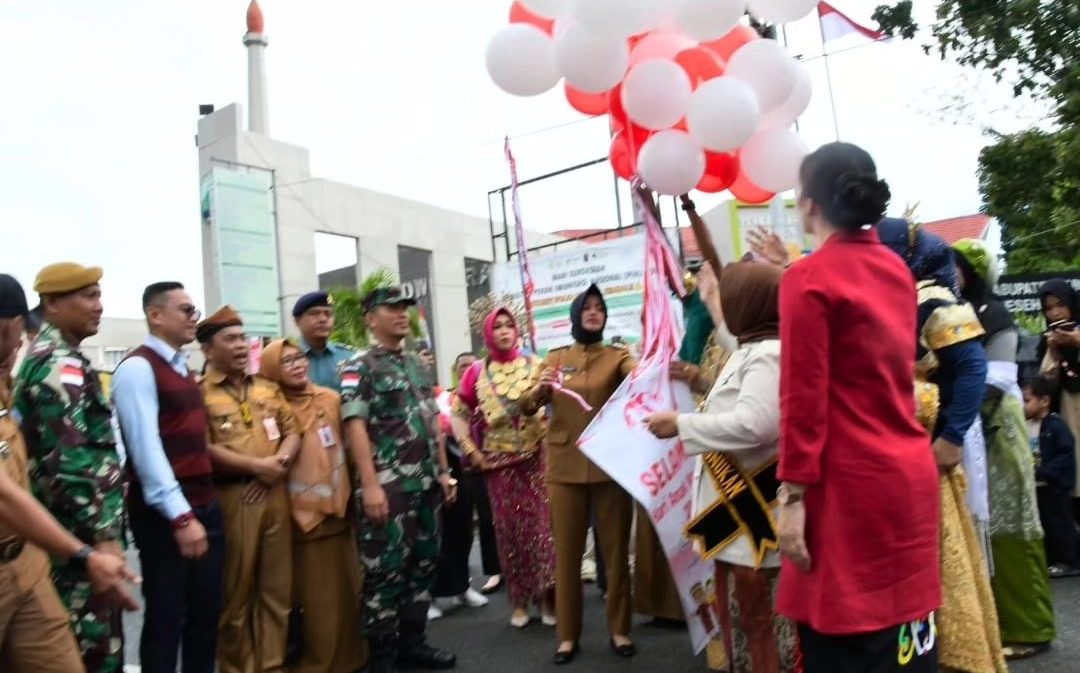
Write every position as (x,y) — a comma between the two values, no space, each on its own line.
(1055,475)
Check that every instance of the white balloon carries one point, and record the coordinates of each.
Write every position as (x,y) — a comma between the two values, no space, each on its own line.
(589,63)
(771,159)
(656,93)
(708,19)
(787,112)
(671,162)
(723,114)
(781,11)
(551,9)
(616,18)
(521,60)
(767,68)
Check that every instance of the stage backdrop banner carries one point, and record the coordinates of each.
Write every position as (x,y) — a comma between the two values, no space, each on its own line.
(657,472)
(614,266)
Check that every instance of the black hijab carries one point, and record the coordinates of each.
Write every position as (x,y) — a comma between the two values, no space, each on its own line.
(992,314)
(581,335)
(1070,357)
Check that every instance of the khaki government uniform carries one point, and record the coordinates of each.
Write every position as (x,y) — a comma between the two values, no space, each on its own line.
(575,485)
(258,549)
(35,632)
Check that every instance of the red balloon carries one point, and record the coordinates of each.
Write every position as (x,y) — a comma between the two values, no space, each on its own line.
(748,192)
(615,106)
(520,14)
(728,44)
(701,64)
(640,133)
(721,171)
(591,104)
(622,159)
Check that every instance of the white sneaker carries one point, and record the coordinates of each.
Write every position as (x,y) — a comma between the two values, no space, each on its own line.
(433,613)
(449,603)
(549,620)
(474,599)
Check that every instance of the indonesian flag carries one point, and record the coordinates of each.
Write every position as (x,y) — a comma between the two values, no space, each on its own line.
(835,25)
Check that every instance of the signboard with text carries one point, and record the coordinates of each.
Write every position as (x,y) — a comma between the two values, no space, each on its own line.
(1020,291)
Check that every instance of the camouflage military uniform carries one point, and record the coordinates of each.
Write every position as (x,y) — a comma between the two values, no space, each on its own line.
(75,470)
(390,392)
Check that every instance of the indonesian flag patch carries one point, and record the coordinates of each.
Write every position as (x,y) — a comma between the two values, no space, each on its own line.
(350,380)
(71,372)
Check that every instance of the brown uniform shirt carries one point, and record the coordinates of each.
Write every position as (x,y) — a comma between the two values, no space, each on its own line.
(269,421)
(13,457)
(594,372)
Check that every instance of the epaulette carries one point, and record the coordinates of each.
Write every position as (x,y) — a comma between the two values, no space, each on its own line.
(622,346)
(560,348)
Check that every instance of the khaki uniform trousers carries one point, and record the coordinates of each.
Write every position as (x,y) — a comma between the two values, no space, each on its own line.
(35,631)
(326,581)
(257,581)
(570,505)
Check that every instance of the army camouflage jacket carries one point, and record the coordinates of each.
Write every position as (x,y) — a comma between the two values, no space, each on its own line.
(390,391)
(66,421)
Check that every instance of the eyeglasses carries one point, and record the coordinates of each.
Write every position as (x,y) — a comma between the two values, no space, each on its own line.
(292,360)
(191,312)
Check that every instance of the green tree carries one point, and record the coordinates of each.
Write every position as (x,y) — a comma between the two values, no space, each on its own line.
(1029,180)
(350,328)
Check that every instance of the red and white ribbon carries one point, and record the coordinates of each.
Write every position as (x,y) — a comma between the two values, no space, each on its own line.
(527,284)
(559,387)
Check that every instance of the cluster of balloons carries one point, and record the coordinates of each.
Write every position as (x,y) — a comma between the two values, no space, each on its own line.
(696,99)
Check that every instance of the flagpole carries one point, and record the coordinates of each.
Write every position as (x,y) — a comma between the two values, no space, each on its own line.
(828,78)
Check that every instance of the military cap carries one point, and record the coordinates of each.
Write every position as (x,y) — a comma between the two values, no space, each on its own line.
(12,298)
(384,296)
(65,277)
(311,300)
(224,317)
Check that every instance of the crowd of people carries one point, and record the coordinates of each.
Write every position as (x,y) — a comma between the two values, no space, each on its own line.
(316,512)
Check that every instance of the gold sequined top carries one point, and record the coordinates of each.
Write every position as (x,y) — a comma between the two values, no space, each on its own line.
(499,390)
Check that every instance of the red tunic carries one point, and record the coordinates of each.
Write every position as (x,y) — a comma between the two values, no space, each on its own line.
(849,432)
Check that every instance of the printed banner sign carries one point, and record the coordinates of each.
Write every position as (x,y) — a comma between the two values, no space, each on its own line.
(558,277)
(1020,291)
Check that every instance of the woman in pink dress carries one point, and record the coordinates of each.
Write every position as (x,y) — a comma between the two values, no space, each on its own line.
(509,451)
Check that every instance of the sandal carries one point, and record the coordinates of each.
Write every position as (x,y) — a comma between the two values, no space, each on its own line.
(1018,652)
(1058,571)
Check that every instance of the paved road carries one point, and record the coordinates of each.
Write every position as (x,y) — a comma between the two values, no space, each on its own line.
(484,640)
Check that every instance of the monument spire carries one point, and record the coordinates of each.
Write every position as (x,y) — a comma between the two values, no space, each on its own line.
(255,41)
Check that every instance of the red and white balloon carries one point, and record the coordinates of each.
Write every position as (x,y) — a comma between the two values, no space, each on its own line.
(695,98)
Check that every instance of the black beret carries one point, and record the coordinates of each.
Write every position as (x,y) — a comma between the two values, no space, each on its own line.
(12,298)
(310,300)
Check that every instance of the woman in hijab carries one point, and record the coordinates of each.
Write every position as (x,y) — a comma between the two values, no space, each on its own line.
(950,374)
(1059,352)
(736,435)
(326,567)
(590,371)
(509,450)
(1020,582)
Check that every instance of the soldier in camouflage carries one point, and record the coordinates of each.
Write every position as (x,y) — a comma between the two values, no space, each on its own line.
(390,420)
(74,465)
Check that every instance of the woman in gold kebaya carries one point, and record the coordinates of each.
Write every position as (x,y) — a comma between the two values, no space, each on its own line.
(500,439)
(326,567)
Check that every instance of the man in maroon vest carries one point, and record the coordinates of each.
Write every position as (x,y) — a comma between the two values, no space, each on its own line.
(174,512)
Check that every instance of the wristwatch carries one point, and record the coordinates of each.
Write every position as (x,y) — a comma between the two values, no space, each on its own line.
(78,559)
(182,521)
(787,497)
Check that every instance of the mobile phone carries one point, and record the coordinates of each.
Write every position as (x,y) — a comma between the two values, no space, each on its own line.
(1063,326)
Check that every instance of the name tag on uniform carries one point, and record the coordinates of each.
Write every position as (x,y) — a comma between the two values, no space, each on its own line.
(272,432)
(326,436)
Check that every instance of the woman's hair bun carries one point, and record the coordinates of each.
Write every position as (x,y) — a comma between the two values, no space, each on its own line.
(860,198)
(842,179)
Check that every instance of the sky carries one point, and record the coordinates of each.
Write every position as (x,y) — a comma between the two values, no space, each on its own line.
(101,105)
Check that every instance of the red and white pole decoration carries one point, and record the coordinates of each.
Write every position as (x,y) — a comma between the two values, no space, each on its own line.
(696,99)
(527,284)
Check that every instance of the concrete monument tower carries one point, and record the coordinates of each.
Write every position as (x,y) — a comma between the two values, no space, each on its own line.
(255,41)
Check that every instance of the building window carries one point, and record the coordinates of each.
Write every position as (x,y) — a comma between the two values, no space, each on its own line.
(113,357)
(335,261)
(414,268)
(477,285)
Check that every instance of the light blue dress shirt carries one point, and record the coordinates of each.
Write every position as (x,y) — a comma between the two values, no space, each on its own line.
(323,367)
(135,397)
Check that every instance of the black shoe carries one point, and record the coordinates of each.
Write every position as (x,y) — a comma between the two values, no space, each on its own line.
(562,658)
(422,655)
(625,651)
(383,652)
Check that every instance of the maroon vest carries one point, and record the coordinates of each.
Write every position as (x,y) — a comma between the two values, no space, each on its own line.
(182,421)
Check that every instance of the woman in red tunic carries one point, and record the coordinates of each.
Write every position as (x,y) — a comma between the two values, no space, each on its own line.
(859,512)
